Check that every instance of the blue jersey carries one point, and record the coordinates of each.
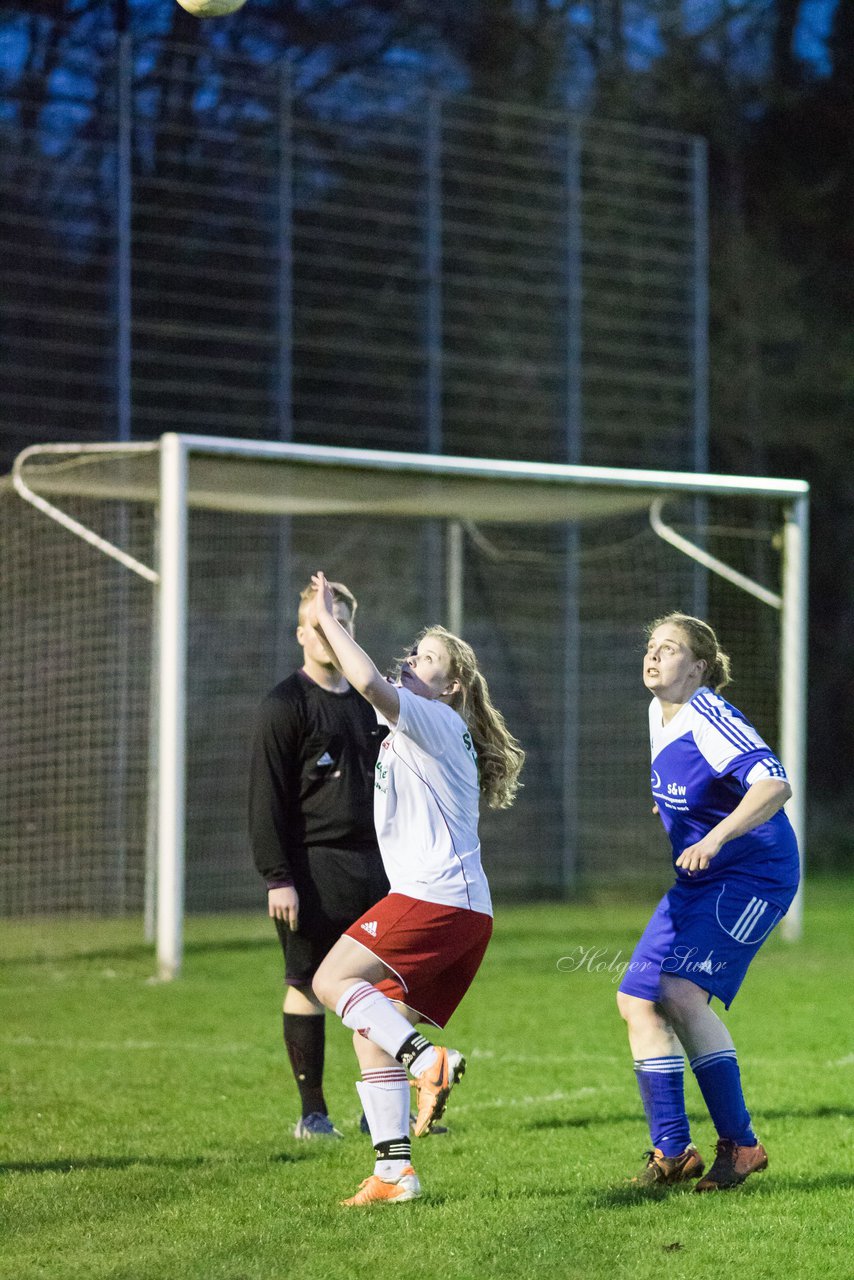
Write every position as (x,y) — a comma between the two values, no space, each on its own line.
(703,762)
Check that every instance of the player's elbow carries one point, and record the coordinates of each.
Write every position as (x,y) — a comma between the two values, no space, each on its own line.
(781,789)
(777,791)
(365,684)
(369,685)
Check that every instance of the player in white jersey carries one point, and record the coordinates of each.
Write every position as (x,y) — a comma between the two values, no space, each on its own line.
(412,957)
(719,791)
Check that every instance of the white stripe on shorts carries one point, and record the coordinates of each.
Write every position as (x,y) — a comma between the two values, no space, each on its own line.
(740,920)
(742,934)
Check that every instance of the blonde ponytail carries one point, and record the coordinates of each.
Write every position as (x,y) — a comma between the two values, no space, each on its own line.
(499,755)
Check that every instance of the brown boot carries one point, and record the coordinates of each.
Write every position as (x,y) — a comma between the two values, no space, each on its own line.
(732,1165)
(664,1171)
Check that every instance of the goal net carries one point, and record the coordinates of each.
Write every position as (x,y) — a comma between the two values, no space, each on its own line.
(550,572)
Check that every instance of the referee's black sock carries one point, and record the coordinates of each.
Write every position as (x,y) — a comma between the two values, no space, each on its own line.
(305,1041)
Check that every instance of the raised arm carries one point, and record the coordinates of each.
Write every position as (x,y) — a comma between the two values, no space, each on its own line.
(358,669)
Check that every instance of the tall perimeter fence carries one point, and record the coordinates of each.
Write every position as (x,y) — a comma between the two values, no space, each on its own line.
(190,244)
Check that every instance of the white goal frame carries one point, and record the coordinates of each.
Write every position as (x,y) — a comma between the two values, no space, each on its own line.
(454,489)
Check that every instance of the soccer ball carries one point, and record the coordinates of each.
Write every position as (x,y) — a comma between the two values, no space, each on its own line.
(211,8)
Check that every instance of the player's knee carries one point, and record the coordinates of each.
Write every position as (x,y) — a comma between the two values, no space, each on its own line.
(633,1010)
(299,998)
(320,989)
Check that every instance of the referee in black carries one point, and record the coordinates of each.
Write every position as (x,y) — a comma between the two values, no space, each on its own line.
(312,834)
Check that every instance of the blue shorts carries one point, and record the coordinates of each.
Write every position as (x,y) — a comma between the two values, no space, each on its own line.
(706,933)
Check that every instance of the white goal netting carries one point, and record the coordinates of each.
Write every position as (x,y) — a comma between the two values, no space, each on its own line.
(556,612)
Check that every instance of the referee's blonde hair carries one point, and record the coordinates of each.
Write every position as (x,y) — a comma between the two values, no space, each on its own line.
(499,755)
(703,643)
(340,595)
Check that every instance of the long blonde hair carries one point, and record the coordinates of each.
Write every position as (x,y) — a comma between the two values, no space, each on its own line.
(499,755)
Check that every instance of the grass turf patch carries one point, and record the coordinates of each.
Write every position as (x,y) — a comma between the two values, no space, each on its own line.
(146,1126)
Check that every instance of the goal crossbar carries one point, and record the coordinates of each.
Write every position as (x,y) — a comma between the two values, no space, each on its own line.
(180,473)
(266,478)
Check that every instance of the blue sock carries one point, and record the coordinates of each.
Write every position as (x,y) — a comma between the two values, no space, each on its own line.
(720,1084)
(662,1088)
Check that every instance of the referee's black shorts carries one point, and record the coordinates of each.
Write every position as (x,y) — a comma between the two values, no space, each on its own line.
(335,887)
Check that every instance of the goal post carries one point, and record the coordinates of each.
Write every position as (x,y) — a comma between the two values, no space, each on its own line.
(793,682)
(171,702)
(361,513)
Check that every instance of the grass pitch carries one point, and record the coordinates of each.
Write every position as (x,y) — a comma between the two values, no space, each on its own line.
(146,1127)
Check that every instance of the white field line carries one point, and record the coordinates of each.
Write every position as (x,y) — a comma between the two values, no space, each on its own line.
(535,1100)
(217,1046)
(128,1046)
(473,1055)
(524,1059)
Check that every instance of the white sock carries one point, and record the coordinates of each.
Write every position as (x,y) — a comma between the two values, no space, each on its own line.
(425,1059)
(384,1092)
(391,1170)
(364,1009)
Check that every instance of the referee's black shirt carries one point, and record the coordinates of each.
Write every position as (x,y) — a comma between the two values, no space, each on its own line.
(312,770)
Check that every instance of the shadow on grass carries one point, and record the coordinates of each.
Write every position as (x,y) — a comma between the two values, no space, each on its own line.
(823,1112)
(134,951)
(791,1182)
(73,1164)
(802,1113)
(267,942)
(579,1122)
(629,1196)
(434,1199)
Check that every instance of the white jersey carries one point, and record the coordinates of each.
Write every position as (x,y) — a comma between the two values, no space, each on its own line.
(426,801)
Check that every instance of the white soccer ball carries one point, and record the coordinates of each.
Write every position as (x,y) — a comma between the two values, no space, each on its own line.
(211,8)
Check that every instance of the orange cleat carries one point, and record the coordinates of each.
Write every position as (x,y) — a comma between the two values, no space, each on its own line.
(433,1088)
(376,1190)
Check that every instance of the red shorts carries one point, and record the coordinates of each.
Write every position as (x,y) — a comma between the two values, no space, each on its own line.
(433,951)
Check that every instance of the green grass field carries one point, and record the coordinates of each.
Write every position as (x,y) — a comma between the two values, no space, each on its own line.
(146,1127)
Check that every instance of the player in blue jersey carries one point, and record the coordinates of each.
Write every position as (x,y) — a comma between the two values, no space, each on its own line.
(719,791)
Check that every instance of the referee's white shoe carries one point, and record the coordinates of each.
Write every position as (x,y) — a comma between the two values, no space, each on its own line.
(316,1125)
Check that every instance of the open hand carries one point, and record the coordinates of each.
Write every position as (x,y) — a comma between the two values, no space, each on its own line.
(322,602)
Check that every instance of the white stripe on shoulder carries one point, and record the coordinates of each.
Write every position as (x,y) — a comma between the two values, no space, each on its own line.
(721,735)
(767,767)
